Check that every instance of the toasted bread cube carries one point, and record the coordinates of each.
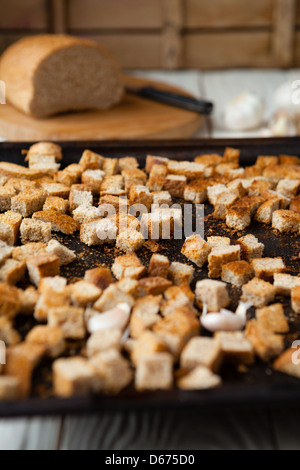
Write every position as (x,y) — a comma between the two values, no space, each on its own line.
(130,240)
(175,184)
(295,205)
(93,179)
(9,301)
(70,320)
(147,344)
(91,160)
(128,163)
(70,175)
(223,203)
(213,192)
(21,253)
(284,283)
(6,194)
(237,273)
(8,334)
(152,160)
(144,314)
(232,155)
(9,227)
(250,247)
(84,293)
(286,221)
(5,251)
(111,166)
(200,378)
(60,222)
(9,388)
(272,318)
(3,180)
(221,256)
(162,198)
(258,292)
(28,202)
(266,344)
(83,214)
(28,299)
(114,370)
(154,285)
(265,212)
(12,271)
(181,273)
(74,376)
(212,293)
(157,226)
(50,337)
(80,195)
(235,347)
(140,195)
(159,266)
(111,297)
(56,204)
(103,340)
(21,361)
(155,372)
(56,190)
(195,191)
(128,265)
(63,253)
(209,159)
(42,266)
(285,363)
(45,163)
(45,148)
(257,187)
(201,352)
(129,286)
(176,329)
(134,176)
(288,187)
(53,293)
(196,250)
(35,231)
(157,177)
(99,232)
(295,299)
(216,241)
(101,277)
(264,161)
(238,216)
(265,268)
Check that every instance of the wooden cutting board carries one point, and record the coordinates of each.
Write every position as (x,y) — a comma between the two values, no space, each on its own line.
(133,118)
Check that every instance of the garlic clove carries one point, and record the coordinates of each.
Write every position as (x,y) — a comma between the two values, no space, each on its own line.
(115,318)
(214,322)
(244,112)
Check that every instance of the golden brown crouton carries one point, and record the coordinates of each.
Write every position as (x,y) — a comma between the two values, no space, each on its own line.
(60,222)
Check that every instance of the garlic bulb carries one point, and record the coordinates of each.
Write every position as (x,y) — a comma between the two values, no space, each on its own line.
(115,318)
(225,320)
(244,112)
(287,98)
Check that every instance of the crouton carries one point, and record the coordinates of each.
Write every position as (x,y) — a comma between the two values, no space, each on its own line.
(44,148)
(250,247)
(176,329)
(201,352)
(128,265)
(175,185)
(239,215)
(80,195)
(91,160)
(154,285)
(235,347)
(285,363)
(140,195)
(5,251)
(265,212)
(28,299)
(84,214)
(200,378)
(50,337)
(224,168)
(152,160)
(111,166)
(84,293)
(101,277)
(114,370)
(70,175)
(212,293)
(63,253)
(130,240)
(12,271)
(21,253)
(42,266)
(209,159)
(144,314)
(191,170)
(74,376)
(213,192)
(6,194)
(295,299)
(196,250)
(258,292)
(69,319)
(35,231)
(257,187)
(60,222)
(237,273)
(265,268)
(152,246)
(7,333)
(111,297)
(11,170)
(9,227)
(155,372)
(286,221)
(264,161)
(134,176)
(288,187)
(99,232)
(21,361)
(284,283)
(53,293)
(178,297)
(129,286)
(195,191)
(147,344)
(57,190)
(181,273)
(44,163)
(162,198)
(223,203)
(28,202)
(161,224)
(232,155)
(9,388)
(9,301)
(266,344)
(93,180)
(221,256)
(216,241)
(272,318)
(56,204)
(295,205)
(159,266)
(157,177)
(128,163)
(103,340)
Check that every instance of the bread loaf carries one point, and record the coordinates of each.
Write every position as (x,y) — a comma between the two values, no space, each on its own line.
(50,74)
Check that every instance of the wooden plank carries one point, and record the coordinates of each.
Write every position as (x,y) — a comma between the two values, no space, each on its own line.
(284,32)
(229,13)
(58,16)
(171,37)
(17,14)
(108,14)
(225,50)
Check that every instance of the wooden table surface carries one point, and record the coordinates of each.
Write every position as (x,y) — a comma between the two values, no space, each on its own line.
(257,428)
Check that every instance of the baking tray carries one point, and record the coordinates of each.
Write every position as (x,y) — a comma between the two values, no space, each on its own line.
(259,385)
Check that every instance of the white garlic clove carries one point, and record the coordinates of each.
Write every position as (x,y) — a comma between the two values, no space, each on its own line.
(214,322)
(244,112)
(115,318)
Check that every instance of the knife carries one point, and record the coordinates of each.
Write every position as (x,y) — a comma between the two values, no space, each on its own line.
(173,99)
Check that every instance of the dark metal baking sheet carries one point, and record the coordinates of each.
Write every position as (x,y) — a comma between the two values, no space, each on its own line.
(259,385)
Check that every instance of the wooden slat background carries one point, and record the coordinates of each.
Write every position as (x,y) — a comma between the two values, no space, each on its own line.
(168,34)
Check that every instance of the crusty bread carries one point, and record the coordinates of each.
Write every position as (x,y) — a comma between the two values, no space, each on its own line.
(50,74)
